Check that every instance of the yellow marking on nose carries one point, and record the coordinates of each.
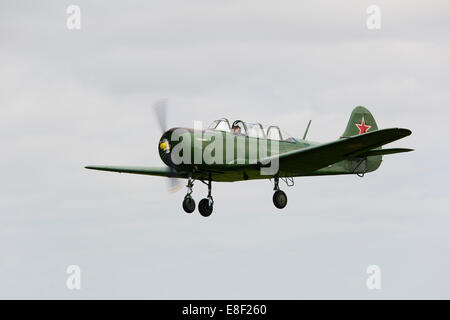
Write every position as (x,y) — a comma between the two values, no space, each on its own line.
(163,145)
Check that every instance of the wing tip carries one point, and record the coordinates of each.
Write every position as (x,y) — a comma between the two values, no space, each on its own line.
(404,132)
(98,168)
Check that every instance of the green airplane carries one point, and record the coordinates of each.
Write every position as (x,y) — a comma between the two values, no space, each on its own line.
(247,151)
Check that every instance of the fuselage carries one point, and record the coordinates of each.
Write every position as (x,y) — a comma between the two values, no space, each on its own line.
(231,157)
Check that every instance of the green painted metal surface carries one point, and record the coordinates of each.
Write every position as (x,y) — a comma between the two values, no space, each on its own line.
(358,150)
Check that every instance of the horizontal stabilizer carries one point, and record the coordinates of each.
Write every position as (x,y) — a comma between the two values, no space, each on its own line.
(322,155)
(384,152)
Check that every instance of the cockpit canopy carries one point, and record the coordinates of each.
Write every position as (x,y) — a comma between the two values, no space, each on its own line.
(254,130)
(220,125)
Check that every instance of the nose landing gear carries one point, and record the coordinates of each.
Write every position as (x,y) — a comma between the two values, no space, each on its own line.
(279,197)
(205,206)
(188,202)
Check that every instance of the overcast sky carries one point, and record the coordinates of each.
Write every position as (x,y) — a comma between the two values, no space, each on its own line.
(69,98)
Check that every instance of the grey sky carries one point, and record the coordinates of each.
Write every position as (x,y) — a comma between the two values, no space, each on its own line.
(72,98)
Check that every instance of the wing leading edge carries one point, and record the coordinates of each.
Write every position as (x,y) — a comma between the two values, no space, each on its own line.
(151,171)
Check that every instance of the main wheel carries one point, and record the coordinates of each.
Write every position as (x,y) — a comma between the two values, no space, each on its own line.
(205,207)
(279,199)
(188,204)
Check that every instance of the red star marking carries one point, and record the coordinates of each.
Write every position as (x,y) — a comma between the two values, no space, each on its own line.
(363,127)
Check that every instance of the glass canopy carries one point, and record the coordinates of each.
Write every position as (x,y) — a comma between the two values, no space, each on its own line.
(254,130)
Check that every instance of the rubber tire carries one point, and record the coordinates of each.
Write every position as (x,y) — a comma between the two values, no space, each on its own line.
(205,208)
(188,205)
(279,199)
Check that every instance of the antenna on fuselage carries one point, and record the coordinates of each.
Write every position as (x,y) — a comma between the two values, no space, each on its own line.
(307,128)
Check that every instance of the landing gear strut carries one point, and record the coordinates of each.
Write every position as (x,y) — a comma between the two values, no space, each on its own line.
(205,206)
(188,202)
(279,197)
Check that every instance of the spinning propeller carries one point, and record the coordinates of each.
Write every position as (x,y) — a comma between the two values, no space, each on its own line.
(160,109)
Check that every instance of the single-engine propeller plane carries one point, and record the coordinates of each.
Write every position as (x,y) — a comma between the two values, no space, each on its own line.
(239,151)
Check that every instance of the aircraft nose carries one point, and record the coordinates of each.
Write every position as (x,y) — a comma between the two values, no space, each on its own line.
(166,144)
(164,147)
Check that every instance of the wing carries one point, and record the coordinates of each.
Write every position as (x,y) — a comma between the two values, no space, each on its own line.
(150,171)
(316,157)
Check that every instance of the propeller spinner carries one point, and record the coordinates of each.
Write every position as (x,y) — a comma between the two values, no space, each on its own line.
(160,109)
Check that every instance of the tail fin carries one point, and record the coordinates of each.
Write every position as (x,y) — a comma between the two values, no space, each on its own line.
(361,121)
